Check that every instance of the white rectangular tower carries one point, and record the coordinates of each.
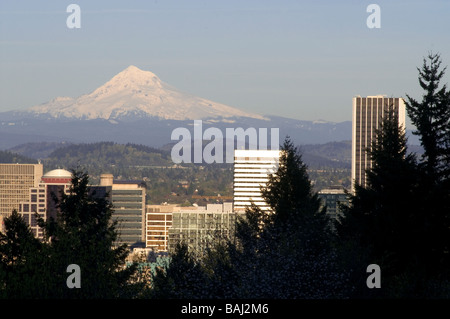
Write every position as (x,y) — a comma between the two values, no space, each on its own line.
(251,171)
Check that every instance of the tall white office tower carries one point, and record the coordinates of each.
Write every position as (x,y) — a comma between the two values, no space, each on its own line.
(251,171)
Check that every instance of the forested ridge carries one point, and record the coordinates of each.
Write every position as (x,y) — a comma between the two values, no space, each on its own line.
(328,164)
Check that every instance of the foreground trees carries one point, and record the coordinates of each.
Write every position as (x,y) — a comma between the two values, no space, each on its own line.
(287,252)
(431,117)
(20,259)
(381,223)
(284,253)
(82,234)
(401,219)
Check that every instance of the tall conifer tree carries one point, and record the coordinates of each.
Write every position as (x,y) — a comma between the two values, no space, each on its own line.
(84,234)
(431,117)
(286,252)
(21,257)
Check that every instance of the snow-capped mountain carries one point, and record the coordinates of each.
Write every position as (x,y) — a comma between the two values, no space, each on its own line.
(134,92)
(135,106)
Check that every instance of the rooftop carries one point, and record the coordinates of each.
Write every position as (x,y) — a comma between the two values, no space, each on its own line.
(58,173)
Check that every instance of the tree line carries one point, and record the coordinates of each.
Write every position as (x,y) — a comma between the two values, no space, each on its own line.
(400,221)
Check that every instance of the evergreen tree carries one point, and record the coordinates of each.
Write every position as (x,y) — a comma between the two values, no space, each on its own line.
(431,117)
(282,253)
(396,222)
(84,234)
(286,252)
(382,221)
(183,278)
(296,207)
(21,256)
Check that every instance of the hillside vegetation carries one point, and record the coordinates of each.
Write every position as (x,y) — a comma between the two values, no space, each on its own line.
(328,164)
(165,181)
(10,157)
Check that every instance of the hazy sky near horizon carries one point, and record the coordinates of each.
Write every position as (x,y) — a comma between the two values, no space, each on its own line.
(297,59)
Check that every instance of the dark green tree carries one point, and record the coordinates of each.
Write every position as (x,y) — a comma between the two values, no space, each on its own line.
(182,278)
(287,252)
(297,209)
(431,117)
(282,253)
(21,258)
(382,222)
(84,233)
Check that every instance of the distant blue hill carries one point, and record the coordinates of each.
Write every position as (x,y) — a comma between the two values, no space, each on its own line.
(20,128)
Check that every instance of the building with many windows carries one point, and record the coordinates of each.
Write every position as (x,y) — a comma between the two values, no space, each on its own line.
(128,200)
(202,227)
(41,198)
(368,113)
(332,197)
(251,172)
(158,221)
(15,183)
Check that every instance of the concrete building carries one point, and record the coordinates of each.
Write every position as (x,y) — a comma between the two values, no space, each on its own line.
(158,221)
(202,227)
(128,200)
(251,172)
(331,197)
(15,183)
(368,113)
(40,199)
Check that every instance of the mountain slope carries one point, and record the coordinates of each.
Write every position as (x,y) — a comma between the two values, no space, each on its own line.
(138,93)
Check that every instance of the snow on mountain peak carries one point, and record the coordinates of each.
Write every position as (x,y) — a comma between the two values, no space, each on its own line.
(136,75)
(131,78)
(134,91)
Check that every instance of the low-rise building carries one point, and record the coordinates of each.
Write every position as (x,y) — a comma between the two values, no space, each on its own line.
(202,227)
(332,197)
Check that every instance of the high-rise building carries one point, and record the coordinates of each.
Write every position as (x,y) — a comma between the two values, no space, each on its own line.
(368,113)
(128,200)
(251,172)
(15,183)
(40,199)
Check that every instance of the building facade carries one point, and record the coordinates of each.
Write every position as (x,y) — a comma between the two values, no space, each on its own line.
(128,200)
(251,172)
(368,113)
(202,227)
(41,198)
(158,221)
(15,183)
(332,197)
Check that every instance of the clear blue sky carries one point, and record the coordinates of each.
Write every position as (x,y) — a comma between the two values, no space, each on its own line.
(298,59)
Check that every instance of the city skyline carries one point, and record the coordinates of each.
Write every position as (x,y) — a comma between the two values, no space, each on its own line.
(261,57)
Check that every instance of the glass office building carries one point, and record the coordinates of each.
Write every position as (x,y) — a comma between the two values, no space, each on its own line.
(128,200)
